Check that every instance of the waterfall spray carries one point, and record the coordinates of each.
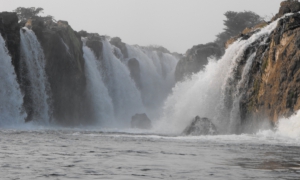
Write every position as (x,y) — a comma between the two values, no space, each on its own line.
(157,76)
(205,93)
(11,99)
(122,89)
(97,92)
(33,77)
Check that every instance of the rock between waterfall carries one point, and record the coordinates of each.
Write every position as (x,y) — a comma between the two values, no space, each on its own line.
(200,126)
(141,121)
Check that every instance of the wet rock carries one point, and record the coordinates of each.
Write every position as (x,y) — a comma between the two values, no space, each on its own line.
(288,6)
(135,71)
(116,41)
(196,59)
(10,31)
(200,126)
(94,41)
(62,47)
(141,121)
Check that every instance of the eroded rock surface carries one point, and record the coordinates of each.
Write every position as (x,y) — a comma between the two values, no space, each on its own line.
(65,70)
(200,126)
(273,90)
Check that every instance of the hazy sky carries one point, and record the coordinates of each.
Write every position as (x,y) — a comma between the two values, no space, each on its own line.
(174,24)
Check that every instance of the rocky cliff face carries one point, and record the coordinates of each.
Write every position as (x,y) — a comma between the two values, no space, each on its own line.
(274,80)
(65,70)
(195,59)
(10,31)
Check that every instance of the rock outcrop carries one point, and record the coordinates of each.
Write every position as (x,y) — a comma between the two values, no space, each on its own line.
(195,59)
(200,126)
(135,71)
(273,90)
(141,121)
(289,6)
(116,41)
(10,31)
(65,70)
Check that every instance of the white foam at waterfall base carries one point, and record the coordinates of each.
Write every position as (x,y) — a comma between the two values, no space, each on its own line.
(289,127)
(157,76)
(102,105)
(125,96)
(11,99)
(204,93)
(33,63)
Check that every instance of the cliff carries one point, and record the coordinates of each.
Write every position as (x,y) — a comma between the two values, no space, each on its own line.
(274,79)
(65,71)
(195,59)
(10,31)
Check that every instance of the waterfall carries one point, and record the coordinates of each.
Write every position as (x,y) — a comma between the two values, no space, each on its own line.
(33,78)
(205,93)
(97,92)
(122,89)
(157,75)
(11,99)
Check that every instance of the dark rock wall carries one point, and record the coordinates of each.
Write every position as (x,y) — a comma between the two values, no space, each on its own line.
(10,31)
(65,70)
(274,83)
(195,59)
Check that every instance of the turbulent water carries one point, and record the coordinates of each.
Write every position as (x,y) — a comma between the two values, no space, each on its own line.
(81,154)
(205,93)
(110,149)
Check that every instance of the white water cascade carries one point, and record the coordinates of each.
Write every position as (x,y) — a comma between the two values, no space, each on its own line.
(97,92)
(34,76)
(11,99)
(122,89)
(204,93)
(157,76)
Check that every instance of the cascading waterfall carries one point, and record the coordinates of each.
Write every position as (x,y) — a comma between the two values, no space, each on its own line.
(97,92)
(33,77)
(157,76)
(205,93)
(122,89)
(11,98)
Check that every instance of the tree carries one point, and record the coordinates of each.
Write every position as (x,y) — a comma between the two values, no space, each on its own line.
(28,13)
(235,23)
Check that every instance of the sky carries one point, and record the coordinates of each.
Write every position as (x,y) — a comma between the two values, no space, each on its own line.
(177,25)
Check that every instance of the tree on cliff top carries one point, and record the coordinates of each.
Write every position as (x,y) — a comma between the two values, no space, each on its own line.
(28,13)
(31,13)
(235,23)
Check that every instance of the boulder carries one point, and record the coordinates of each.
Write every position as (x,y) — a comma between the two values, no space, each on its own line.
(200,126)
(141,121)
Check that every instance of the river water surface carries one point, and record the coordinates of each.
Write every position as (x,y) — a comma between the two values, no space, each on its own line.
(80,154)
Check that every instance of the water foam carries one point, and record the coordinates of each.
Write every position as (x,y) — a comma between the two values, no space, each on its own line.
(205,93)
